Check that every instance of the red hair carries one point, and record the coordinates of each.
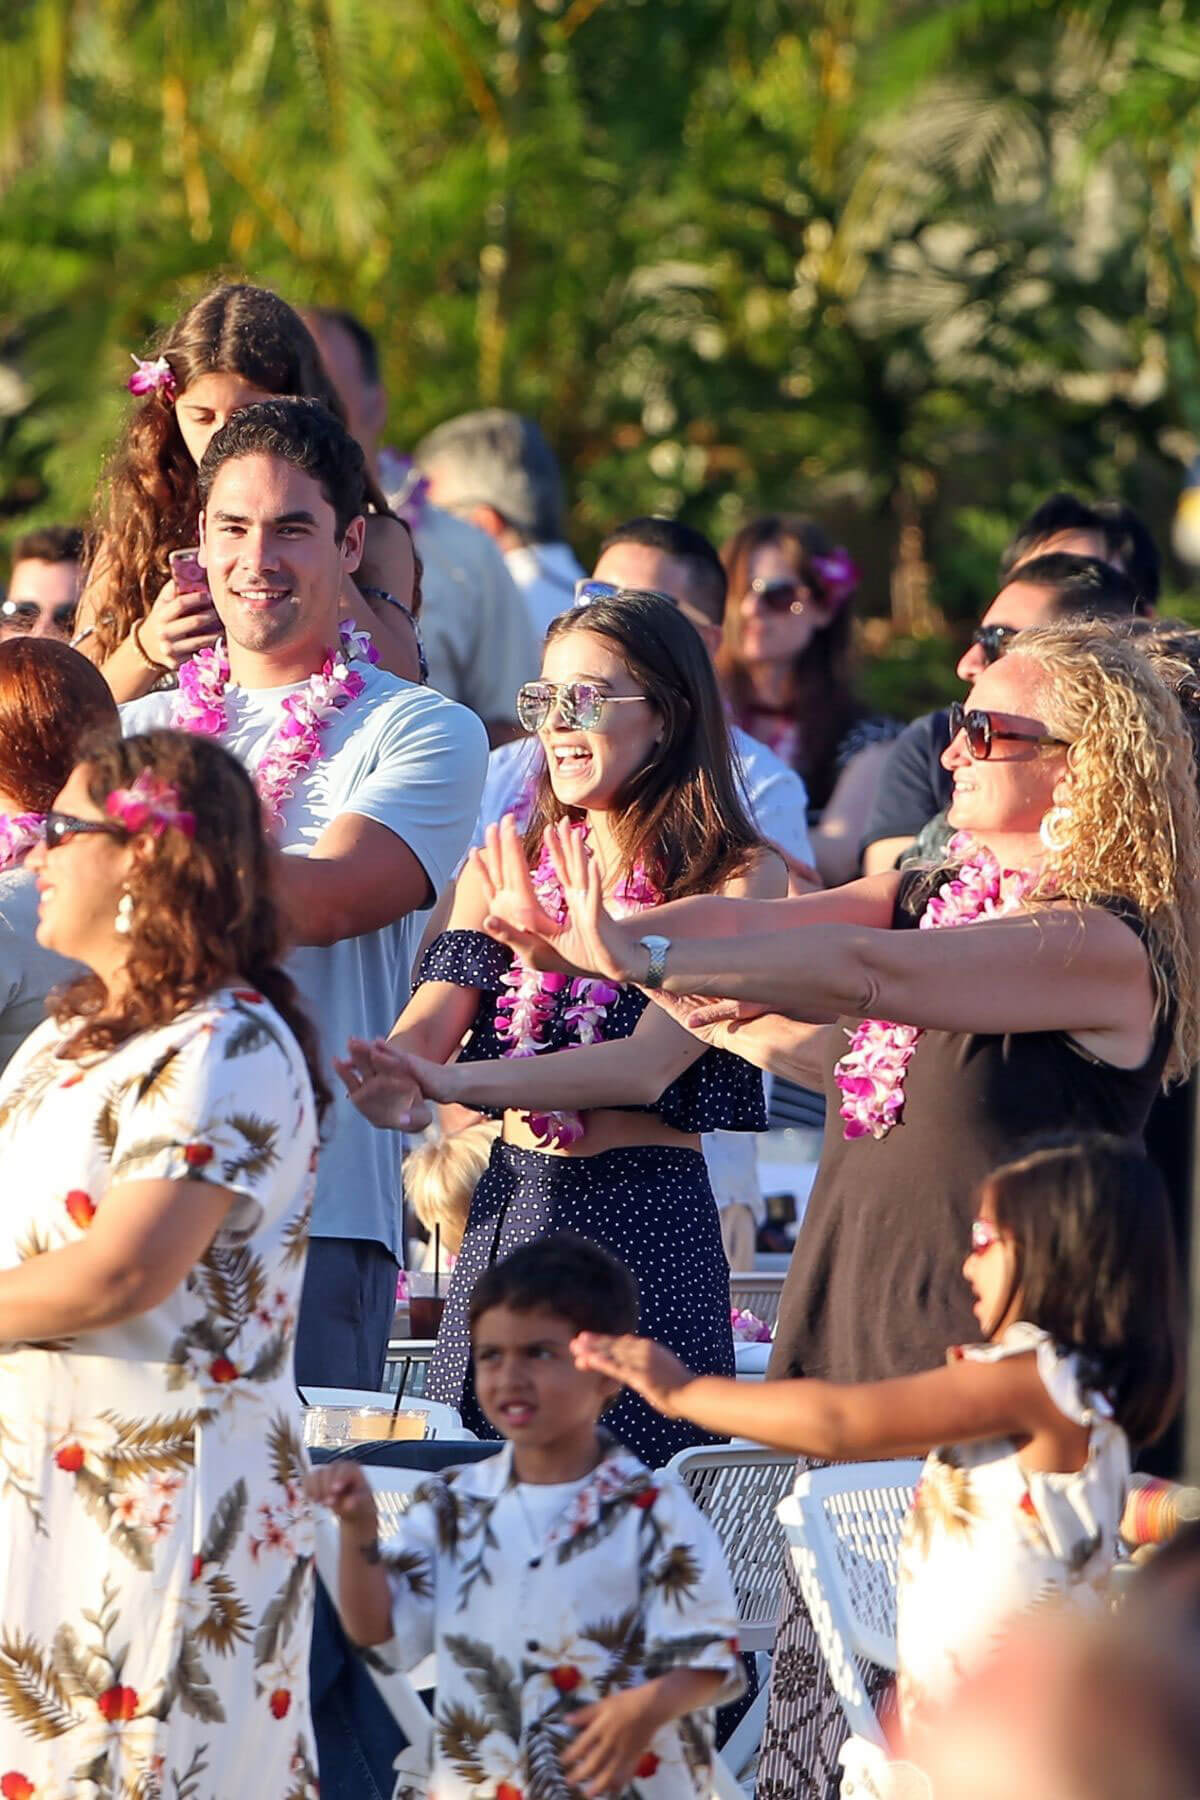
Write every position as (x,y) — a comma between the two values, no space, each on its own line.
(50,698)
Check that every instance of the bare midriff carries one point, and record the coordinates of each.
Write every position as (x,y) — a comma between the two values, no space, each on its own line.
(608,1128)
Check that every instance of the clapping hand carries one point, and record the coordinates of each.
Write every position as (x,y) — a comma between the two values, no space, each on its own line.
(389,1087)
(589,941)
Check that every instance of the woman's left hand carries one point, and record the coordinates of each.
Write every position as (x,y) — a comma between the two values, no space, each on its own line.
(391,1087)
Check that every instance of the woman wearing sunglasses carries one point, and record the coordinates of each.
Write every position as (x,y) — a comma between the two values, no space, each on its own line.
(157,1139)
(1048,981)
(785,667)
(50,699)
(603,1097)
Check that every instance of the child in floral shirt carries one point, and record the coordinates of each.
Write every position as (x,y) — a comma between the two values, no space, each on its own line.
(579,1605)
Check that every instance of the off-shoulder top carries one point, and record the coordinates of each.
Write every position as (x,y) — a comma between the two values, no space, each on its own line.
(719,1092)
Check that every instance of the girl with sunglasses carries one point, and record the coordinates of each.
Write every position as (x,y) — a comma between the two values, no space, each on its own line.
(603,1097)
(146,607)
(786,669)
(1071,1269)
(1048,978)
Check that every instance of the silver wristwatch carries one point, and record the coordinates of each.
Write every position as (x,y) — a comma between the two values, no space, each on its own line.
(658,947)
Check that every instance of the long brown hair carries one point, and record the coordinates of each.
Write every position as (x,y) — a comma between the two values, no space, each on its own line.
(822,698)
(150,506)
(50,698)
(681,813)
(204,909)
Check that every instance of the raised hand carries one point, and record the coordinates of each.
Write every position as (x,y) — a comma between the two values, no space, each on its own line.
(385,1086)
(637,1362)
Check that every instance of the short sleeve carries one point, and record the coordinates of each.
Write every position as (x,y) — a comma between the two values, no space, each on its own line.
(778,803)
(426,779)
(688,1605)
(908,794)
(467,959)
(409,1559)
(221,1096)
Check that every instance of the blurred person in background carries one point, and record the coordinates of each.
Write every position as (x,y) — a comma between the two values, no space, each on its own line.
(785,665)
(51,698)
(916,786)
(43,589)
(495,469)
(479,644)
(140,617)
(1110,531)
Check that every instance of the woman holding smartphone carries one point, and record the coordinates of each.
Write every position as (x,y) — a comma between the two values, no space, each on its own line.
(146,608)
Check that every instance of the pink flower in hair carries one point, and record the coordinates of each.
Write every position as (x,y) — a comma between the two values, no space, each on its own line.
(838,574)
(151,804)
(152,378)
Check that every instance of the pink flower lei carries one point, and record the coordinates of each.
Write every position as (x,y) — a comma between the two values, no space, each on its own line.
(19,832)
(871,1075)
(530,1002)
(296,744)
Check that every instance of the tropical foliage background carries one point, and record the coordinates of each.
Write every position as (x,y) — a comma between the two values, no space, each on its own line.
(907,264)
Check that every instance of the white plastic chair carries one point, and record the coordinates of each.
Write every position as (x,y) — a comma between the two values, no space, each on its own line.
(441,1421)
(738,1487)
(843,1527)
(757,1291)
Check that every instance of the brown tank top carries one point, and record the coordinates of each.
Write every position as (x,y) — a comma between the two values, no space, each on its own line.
(875,1287)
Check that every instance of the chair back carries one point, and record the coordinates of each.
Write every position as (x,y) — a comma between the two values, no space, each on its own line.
(407,1366)
(757,1291)
(737,1487)
(843,1526)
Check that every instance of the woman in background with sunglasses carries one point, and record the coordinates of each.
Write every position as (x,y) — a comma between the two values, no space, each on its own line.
(785,666)
(50,699)
(1066,992)
(603,1096)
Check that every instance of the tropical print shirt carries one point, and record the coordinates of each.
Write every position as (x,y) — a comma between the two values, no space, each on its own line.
(627,1582)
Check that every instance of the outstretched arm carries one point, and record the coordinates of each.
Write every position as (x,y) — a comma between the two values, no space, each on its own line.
(963,1402)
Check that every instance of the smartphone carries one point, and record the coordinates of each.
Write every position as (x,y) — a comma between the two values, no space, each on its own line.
(186,573)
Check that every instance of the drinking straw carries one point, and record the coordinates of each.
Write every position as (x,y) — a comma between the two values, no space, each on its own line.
(437,1261)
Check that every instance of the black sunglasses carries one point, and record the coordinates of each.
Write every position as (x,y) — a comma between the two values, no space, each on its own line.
(993,640)
(23,615)
(59,826)
(981,733)
(781,596)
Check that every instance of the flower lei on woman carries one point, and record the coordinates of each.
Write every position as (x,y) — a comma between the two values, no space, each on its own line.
(871,1075)
(18,833)
(296,745)
(533,996)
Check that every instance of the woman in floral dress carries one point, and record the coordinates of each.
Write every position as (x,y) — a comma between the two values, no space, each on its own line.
(157,1137)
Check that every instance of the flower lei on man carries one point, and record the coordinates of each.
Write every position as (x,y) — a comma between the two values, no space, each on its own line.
(533,996)
(296,744)
(871,1075)
(19,832)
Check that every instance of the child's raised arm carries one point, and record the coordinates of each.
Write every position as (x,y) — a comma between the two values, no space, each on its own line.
(364,1599)
(907,1416)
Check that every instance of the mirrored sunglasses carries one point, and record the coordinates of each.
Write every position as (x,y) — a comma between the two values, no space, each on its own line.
(580,704)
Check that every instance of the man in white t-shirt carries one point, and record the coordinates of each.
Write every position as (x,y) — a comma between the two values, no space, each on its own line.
(372,829)
(495,469)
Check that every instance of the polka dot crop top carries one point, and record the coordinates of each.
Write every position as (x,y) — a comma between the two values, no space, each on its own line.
(719,1092)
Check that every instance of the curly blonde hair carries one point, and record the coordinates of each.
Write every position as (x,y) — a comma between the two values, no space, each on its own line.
(1133,830)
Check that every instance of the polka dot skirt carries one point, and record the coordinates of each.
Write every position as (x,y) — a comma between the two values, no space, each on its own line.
(652,1207)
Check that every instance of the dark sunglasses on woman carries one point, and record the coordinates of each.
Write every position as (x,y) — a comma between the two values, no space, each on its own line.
(781,596)
(980,733)
(57,827)
(993,640)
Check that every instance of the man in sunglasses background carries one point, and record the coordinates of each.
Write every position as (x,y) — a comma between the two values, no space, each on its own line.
(1039,589)
(44,586)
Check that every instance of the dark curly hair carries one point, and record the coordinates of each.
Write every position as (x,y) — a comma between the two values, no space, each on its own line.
(151,505)
(301,432)
(204,908)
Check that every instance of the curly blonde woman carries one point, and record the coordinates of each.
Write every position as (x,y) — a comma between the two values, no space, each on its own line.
(1064,996)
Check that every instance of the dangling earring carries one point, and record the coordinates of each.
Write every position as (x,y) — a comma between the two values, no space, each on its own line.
(123,923)
(1055,829)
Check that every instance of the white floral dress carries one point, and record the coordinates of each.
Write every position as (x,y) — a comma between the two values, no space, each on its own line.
(155,1545)
(988,1539)
(533,1619)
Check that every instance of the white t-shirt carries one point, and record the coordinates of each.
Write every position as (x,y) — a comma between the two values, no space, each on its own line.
(775,795)
(545,576)
(414,762)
